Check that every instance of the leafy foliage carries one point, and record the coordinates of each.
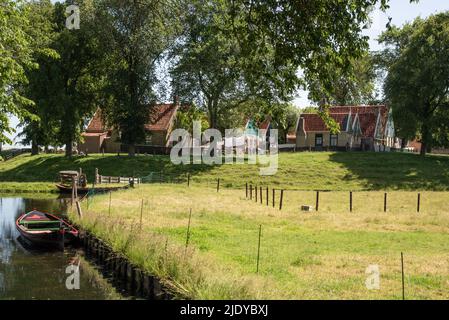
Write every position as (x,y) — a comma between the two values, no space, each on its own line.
(417,85)
(354,87)
(15,57)
(133,35)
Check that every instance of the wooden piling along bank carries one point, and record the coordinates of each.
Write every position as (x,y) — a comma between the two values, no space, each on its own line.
(135,281)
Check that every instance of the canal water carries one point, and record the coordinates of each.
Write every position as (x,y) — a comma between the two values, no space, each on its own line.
(30,272)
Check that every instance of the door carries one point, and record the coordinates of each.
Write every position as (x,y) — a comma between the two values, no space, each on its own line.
(318,140)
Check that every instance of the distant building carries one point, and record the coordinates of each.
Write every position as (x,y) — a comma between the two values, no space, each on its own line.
(99,138)
(366,128)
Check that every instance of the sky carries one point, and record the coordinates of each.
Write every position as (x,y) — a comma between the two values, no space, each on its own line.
(401,11)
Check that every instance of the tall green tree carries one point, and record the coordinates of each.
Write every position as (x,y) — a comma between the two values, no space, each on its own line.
(39,126)
(311,35)
(15,57)
(134,35)
(353,87)
(417,84)
(65,86)
(210,65)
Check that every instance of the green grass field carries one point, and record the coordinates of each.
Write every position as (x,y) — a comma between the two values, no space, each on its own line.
(302,171)
(314,255)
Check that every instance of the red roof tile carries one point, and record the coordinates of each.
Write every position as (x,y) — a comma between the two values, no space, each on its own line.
(96,123)
(313,122)
(358,109)
(368,124)
(367,117)
(160,117)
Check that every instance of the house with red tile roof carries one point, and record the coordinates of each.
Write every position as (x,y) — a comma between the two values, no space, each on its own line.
(367,128)
(98,137)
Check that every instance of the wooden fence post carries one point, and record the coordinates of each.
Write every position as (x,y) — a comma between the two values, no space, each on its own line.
(281,199)
(261,195)
(402,270)
(251,192)
(258,249)
(188,231)
(350,201)
(246,190)
(110,198)
(255,189)
(141,214)
(418,208)
(317,204)
(218,185)
(274,196)
(385,202)
(267,196)
(188,179)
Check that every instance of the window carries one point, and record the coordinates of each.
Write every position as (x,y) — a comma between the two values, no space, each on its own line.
(334,140)
(318,140)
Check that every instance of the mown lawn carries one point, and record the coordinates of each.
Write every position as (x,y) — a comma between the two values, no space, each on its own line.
(314,255)
(302,171)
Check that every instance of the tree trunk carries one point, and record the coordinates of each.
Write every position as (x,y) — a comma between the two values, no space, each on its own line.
(426,143)
(212,110)
(69,148)
(131,150)
(403,143)
(34,148)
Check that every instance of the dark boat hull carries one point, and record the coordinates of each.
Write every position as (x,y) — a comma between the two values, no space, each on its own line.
(66,189)
(48,239)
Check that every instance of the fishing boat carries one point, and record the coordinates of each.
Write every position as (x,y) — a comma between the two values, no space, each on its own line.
(45,229)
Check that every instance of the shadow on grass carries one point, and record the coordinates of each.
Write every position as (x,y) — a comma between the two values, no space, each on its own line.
(44,168)
(397,171)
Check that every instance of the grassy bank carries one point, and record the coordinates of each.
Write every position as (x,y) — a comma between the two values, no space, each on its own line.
(303,171)
(313,255)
